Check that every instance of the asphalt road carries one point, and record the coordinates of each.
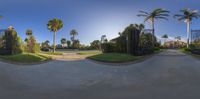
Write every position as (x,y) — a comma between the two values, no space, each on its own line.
(168,75)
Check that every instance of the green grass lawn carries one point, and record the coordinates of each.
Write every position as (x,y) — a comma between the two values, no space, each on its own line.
(90,53)
(189,53)
(114,57)
(25,58)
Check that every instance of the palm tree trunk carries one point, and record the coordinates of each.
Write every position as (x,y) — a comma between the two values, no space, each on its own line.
(54,42)
(153,32)
(188,34)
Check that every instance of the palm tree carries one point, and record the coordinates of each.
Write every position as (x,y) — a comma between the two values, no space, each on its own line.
(68,43)
(47,41)
(187,16)
(165,37)
(63,41)
(140,27)
(29,32)
(55,25)
(154,15)
(73,33)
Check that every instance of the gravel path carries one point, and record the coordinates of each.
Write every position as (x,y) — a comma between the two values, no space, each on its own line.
(168,75)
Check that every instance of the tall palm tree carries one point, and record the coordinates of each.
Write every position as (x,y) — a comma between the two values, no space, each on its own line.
(154,15)
(73,33)
(55,25)
(140,27)
(187,16)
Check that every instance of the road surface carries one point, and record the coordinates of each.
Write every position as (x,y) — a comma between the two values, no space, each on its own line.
(168,75)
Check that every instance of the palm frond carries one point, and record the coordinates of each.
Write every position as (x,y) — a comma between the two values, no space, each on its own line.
(143,12)
(187,14)
(194,11)
(160,17)
(178,15)
(163,11)
(54,25)
(142,15)
(185,10)
(182,18)
(160,10)
(163,14)
(148,18)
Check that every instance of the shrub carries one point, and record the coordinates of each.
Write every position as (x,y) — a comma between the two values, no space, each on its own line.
(108,47)
(187,49)
(194,49)
(31,45)
(156,48)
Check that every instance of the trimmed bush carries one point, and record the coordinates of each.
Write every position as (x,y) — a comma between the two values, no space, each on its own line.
(31,45)
(108,47)
(156,48)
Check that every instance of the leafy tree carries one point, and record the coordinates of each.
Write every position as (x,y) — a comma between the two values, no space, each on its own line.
(32,46)
(133,37)
(45,44)
(146,43)
(55,25)
(13,42)
(63,41)
(26,39)
(120,42)
(95,44)
(73,33)
(154,15)
(108,47)
(68,43)
(187,16)
(76,44)
(2,41)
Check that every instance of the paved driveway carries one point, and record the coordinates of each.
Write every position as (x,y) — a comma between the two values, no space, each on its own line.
(168,75)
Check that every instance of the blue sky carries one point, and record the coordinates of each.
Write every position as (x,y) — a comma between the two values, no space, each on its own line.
(91,18)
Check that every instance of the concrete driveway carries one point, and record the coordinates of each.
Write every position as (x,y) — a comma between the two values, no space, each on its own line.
(168,75)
